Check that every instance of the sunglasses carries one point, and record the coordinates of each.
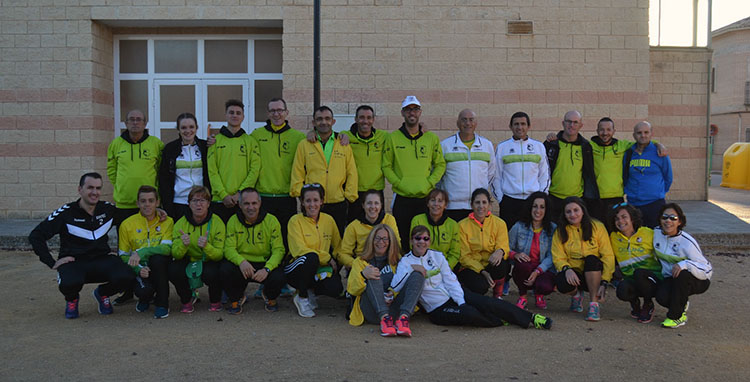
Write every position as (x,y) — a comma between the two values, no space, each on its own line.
(421,238)
(618,205)
(673,218)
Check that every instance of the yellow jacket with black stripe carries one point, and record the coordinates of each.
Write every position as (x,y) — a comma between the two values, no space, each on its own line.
(338,177)
(573,252)
(368,154)
(131,165)
(305,235)
(259,242)
(356,285)
(355,235)
(214,249)
(478,242)
(635,252)
(444,235)
(233,163)
(148,238)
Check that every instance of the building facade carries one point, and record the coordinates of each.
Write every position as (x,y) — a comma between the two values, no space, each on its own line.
(71,69)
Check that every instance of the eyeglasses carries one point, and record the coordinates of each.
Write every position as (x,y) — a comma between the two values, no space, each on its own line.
(411,109)
(569,122)
(198,201)
(673,218)
(312,185)
(276,111)
(382,239)
(618,205)
(135,120)
(421,238)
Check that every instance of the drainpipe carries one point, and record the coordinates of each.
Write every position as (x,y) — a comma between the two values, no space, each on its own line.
(707,182)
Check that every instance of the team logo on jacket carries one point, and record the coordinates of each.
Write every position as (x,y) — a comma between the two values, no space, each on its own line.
(259,236)
(512,150)
(429,262)
(242,148)
(675,247)
(421,150)
(158,228)
(657,245)
(138,230)
(197,152)
(285,146)
(638,239)
(529,147)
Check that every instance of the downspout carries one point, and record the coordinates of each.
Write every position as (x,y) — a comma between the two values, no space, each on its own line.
(707,180)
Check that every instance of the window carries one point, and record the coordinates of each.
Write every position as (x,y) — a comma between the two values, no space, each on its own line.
(167,75)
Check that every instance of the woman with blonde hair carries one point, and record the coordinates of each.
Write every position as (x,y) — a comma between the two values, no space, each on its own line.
(370,279)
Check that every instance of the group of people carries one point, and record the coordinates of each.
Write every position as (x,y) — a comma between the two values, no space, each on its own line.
(229,216)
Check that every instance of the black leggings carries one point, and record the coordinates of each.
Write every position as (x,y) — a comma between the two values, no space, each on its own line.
(300,273)
(157,282)
(234,282)
(210,277)
(643,285)
(482,311)
(476,283)
(672,293)
(110,270)
(405,209)
(591,264)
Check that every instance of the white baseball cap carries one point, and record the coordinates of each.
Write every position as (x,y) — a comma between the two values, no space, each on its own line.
(410,100)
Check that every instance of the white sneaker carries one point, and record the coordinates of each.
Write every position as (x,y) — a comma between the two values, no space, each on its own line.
(303,306)
(313,300)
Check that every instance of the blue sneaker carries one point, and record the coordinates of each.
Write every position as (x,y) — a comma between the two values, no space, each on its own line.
(593,314)
(286,291)
(141,306)
(105,307)
(576,303)
(161,312)
(506,287)
(71,309)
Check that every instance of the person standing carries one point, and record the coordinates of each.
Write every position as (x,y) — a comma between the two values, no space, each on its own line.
(233,162)
(367,147)
(647,176)
(522,169)
(132,161)
(328,163)
(413,163)
(469,164)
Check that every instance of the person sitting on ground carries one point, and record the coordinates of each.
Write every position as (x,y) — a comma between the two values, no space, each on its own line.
(356,232)
(145,244)
(84,255)
(443,298)
(583,257)
(313,236)
(370,280)
(484,248)
(253,252)
(633,246)
(443,229)
(530,241)
(197,244)
(685,270)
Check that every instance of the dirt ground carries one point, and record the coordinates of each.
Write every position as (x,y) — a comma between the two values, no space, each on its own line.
(37,343)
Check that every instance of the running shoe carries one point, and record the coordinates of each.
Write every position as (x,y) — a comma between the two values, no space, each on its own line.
(497,290)
(303,306)
(635,309)
(287,291)
(402,326)
(71,309)
(122,299)
(235,308)
(141,306)
(387,329)
(593,314)
(671,324)
(541,322)
(522,302)
(105,307)
(187,308)
(647,313)
(576,303)
(215,307)
(270,305)
(506,288)
(540,302)
(161,312)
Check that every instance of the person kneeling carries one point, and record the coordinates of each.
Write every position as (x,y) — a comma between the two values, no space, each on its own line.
(253,251)
(370,279)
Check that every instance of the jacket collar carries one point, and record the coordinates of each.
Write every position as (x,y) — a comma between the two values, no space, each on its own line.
(126,136)
(241,218)
(355,132)
(227,133)
(403,130)
(281,130)
(599,142)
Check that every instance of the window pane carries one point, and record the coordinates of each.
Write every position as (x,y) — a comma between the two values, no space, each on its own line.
(268,56)
(175,100)
(133,56)
(226,56)
(176,56)
(217,96)
(264,91)
(133,95)
(169,134)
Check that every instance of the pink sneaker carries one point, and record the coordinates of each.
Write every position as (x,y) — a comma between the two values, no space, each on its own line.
(215,307)
(522,302)
(187,308)
(540,302)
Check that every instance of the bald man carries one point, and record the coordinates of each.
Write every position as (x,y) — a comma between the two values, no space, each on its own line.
(469,164)
(646,176)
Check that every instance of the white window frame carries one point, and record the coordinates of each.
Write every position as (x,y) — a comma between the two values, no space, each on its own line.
(200,77)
